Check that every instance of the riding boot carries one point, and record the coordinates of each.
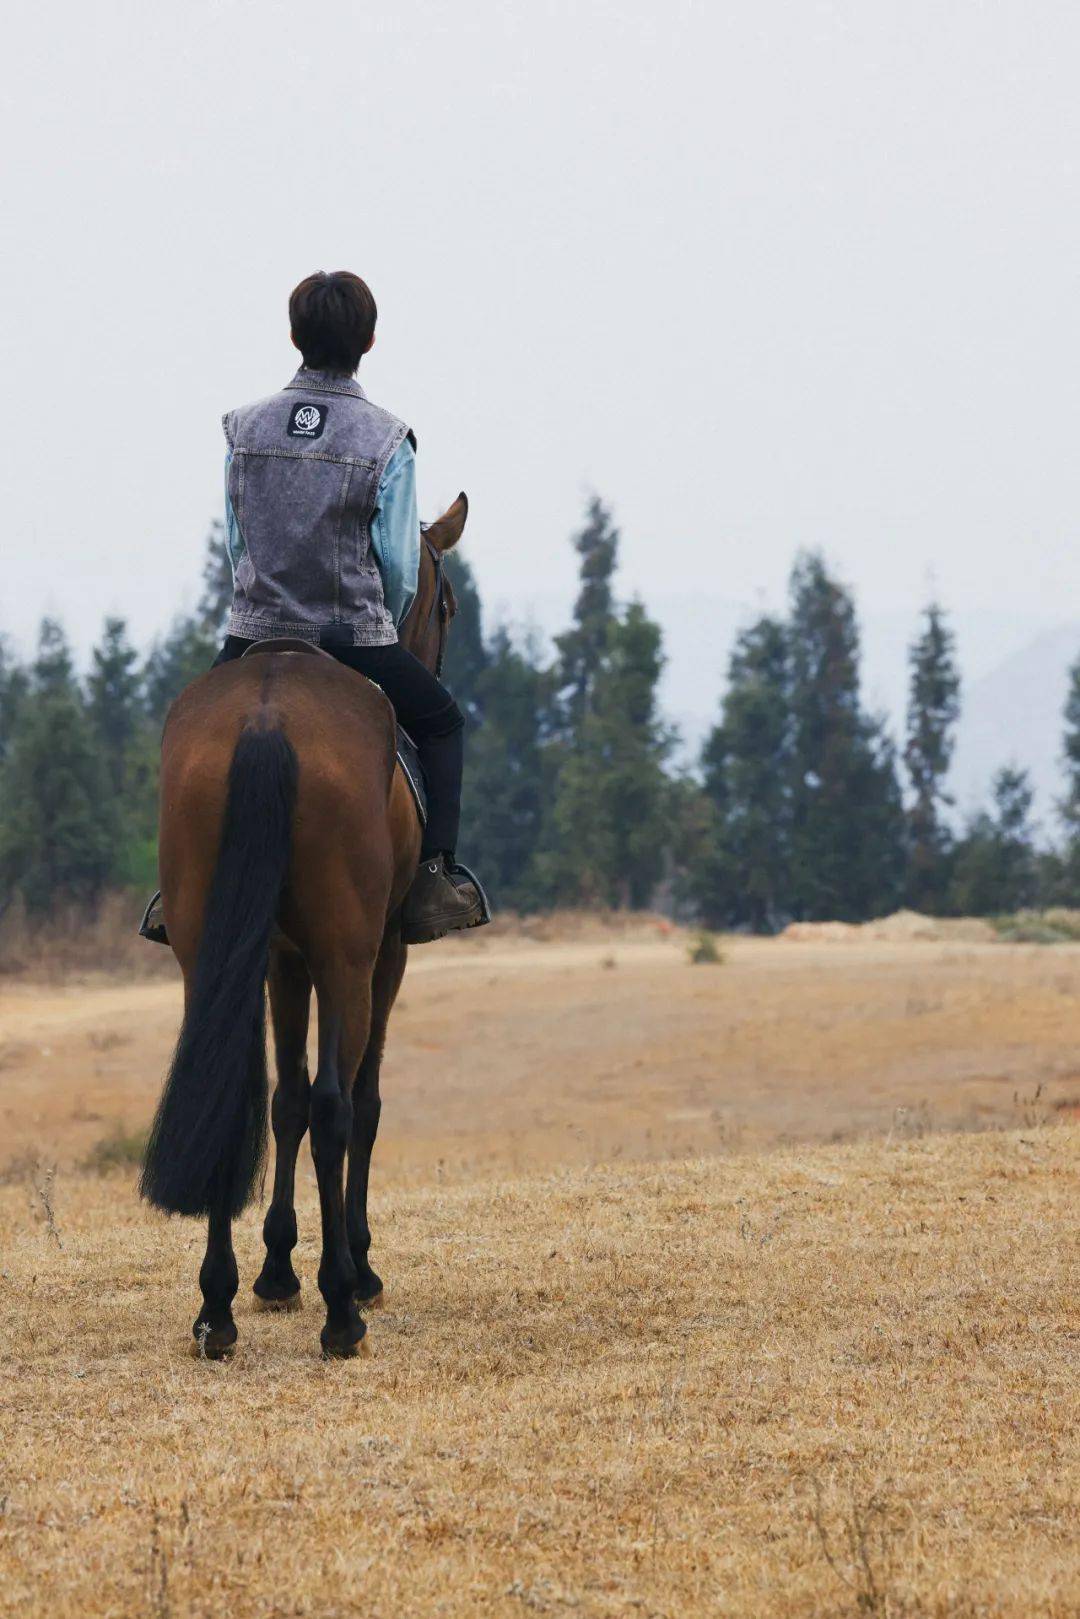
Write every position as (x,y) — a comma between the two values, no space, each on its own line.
(441,901)
(152,926)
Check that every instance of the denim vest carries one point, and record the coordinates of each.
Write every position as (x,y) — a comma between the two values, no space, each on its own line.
(303,481)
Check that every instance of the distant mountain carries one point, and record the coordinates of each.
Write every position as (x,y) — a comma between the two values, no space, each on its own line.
(1013,715)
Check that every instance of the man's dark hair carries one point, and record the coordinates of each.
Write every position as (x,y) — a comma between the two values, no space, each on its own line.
(332,315)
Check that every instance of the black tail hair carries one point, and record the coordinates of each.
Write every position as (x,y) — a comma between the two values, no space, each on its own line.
(208,1140)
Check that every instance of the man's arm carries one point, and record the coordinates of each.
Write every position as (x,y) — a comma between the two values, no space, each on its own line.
(395,531)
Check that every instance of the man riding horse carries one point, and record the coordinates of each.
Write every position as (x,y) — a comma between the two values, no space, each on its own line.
(289,841)
(323,538)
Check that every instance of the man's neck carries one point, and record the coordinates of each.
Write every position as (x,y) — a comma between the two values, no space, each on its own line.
(330,371)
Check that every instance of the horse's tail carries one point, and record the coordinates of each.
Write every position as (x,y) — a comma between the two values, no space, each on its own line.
(208,1140)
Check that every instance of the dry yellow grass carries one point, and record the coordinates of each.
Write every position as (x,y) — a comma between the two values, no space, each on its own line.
(836,1380)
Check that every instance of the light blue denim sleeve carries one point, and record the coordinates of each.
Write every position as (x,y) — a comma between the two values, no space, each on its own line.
(395,531)
(234,540)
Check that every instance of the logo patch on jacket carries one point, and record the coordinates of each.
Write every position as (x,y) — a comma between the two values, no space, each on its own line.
(307,421)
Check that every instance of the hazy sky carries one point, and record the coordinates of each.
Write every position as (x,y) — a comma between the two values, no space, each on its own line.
(764,274)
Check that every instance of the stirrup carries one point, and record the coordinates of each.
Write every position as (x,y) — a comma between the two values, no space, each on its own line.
(154,931)
(458,870)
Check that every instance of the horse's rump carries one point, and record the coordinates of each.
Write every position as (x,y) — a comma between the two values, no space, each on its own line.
(354,834)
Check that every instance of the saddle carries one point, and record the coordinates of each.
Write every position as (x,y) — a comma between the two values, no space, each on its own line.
(407,756)
(284,643)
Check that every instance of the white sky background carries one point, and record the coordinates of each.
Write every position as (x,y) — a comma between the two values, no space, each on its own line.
(764,274)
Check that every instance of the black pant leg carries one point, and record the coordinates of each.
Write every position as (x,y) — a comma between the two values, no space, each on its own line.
(442,754)
(436,724)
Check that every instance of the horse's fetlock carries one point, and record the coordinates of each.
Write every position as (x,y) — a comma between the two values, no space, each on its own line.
(279,1229)
(338,1281)
(219,1278)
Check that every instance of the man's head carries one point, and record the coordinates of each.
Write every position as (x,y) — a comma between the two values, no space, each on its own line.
(332,315)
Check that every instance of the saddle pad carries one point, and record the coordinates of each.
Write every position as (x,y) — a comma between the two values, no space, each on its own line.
(409,760)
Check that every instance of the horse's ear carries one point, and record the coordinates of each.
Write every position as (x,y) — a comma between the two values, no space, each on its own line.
(445,531)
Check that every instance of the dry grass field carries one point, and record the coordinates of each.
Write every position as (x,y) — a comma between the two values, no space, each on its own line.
(746,1289)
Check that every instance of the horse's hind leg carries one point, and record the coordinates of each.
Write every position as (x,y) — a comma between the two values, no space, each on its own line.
(367,1106)
(215,1329)
(344,994)
(278,1286)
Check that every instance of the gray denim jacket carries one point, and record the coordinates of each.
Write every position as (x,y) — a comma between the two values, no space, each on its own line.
(303,478)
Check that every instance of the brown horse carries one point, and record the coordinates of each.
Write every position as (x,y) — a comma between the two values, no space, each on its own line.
(288,840)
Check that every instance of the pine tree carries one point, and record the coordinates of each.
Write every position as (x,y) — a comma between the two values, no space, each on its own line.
(608,814)
(996,866)
(1070,804)
(847,814)
(702,888)
(1013,801)
(58,831)
(933,710)
(193,639)
(53,670)
(13,686)
(582,648)
(185,653)
(876,823)
(466,654)
(505,779)
(129,744)
(1062,867)
(607,801)
(114,690)
(745,876)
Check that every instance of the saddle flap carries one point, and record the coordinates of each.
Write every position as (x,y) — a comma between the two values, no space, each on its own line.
(409,760)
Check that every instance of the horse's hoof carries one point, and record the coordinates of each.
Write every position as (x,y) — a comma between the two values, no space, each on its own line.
(343,1345)
(359,1350)
(293,1301)
(375,1302)
(216,1344)
(276,1292)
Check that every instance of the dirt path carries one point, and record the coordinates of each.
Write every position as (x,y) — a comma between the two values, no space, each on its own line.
(512,1053)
